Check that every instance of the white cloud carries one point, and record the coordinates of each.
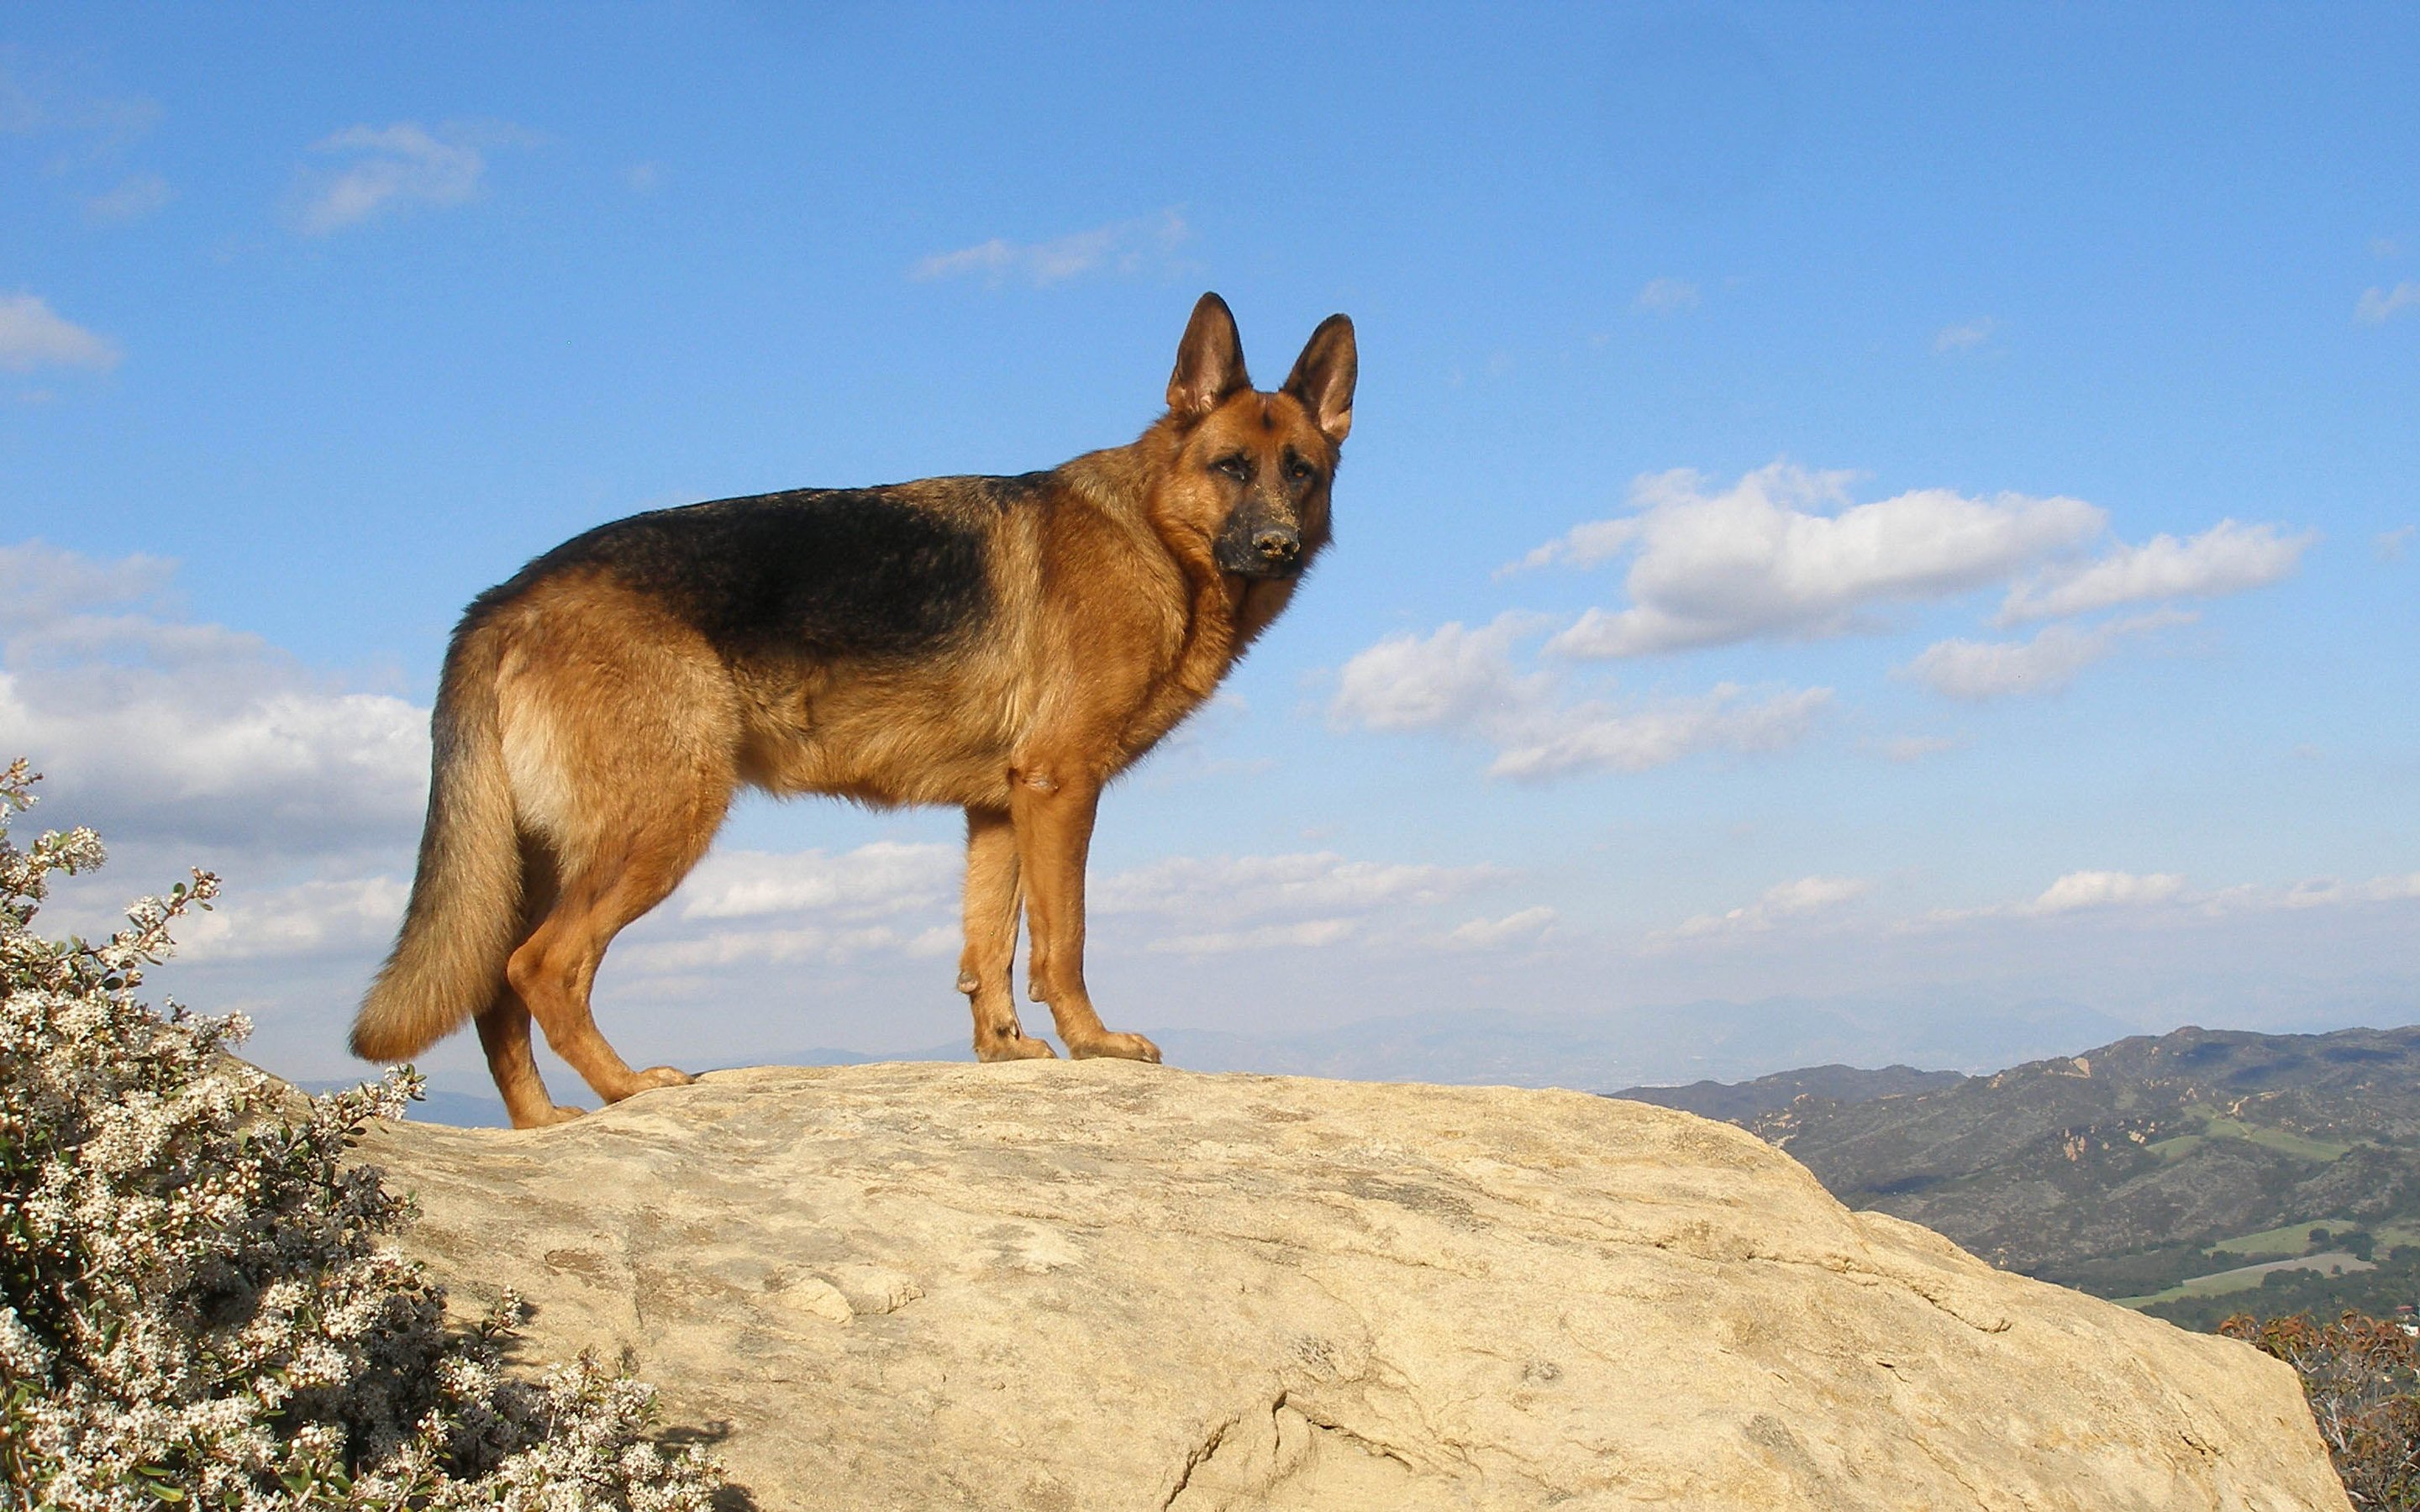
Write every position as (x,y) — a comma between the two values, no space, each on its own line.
(2228,558)
(41,585)
(1964,337)
(2166,896)
(1784,902)
(1452,678)
(388,168)
(1305,899)
(2160,900)
(2391,544)
(1461,681)
(317,917)
(2380,305)
(32,336)
(884,878)
(1596,736)
(1495,933)
(1119,247)
(1977,670)
(157,727)
(1785,554)
(1309,889)
(1310,934)
(1669,296)
(143,194)
(1584,545)
(2106,890)
(2328,892)
(809,942)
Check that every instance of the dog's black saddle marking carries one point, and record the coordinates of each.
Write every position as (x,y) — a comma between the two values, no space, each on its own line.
(829,572)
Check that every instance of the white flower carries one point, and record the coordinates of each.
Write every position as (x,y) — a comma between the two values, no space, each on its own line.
(205,1291)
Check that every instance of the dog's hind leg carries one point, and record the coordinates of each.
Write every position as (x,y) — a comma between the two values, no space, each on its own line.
(986,968)
(504,1035)
(504,1023)
(633,847)
(553,970)
(621,734)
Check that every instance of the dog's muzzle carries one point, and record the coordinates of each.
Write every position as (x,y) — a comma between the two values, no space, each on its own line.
(1267,551)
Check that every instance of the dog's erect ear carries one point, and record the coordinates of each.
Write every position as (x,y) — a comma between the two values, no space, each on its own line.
(1209,360)
(1324,376)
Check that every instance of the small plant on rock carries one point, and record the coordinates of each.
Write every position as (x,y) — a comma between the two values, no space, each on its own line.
(199,1303)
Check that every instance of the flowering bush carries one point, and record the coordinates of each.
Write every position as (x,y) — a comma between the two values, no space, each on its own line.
(2362,1376)
(199,1306)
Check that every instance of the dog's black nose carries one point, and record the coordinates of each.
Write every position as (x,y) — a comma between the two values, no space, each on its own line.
(1277,545)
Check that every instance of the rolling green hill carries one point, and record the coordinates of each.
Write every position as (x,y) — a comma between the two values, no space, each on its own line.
(2198,1156)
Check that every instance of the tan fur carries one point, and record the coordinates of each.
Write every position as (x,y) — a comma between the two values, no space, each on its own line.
(589,740)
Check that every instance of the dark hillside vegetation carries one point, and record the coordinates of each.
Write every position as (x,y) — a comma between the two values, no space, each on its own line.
(2134,1169)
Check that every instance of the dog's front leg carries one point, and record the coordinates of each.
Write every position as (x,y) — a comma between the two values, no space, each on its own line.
(1052,809)
(986,968)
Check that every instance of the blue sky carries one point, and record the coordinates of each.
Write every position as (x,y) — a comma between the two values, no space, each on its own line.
(1910,509)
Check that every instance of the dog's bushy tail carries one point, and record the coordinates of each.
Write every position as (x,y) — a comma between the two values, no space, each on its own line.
(465,913)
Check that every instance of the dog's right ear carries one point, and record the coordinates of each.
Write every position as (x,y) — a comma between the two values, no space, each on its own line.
(1209,360)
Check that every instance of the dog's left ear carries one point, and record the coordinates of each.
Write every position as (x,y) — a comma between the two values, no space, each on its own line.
(1324,376)
(1209,360)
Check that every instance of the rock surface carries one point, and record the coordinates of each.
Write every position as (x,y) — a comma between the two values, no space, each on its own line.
(1103,1286)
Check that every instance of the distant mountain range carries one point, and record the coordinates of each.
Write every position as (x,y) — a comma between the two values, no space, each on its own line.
(1741,1102)
(2135,1168)
(1599,1051)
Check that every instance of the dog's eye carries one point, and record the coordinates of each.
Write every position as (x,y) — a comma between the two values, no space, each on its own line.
(1238,466)
(1298,470)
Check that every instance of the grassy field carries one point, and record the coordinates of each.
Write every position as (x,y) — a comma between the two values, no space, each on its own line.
(2249,1277)
(2291,1239)
(2285,1247)
(2216,1125)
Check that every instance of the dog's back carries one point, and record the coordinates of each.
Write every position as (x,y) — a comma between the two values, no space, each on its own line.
(812,574)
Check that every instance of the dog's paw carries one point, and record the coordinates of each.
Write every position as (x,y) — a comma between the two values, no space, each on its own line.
(555,1113)
(1116,1046)
(655,1076)
(1023,1047)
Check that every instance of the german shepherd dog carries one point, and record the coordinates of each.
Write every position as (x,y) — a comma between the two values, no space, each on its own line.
(1007,645)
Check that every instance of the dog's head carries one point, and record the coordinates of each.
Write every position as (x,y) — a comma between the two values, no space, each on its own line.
(1252,469)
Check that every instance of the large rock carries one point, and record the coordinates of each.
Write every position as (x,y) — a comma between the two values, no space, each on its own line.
(1103,1286)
